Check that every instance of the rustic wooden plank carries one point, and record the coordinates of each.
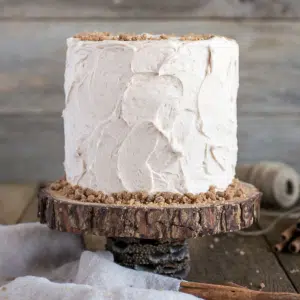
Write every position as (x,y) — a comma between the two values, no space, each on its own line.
(32,144)
(14,198)
(246,261)
(148,9)
(229,258)
(31,90)
(94,243)
(31,147)
(32,73)
(269,138)
(30,213)
(290,262)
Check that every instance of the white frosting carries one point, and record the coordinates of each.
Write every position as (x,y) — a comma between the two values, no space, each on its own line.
(151,115)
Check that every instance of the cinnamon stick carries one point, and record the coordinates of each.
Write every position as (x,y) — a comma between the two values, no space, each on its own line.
(294,246)
(229,283)
(281,246)
(220,292)
(288,233)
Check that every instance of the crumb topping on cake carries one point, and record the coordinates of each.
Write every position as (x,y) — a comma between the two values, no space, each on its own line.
(212,196)
(102,36)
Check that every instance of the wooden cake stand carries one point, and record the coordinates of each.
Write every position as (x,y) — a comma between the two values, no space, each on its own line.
(149,237)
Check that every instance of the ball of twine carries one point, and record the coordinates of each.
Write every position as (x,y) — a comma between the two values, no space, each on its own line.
(280,185)
(278,182)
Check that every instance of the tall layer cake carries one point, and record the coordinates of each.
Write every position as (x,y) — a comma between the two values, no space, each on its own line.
(150,113)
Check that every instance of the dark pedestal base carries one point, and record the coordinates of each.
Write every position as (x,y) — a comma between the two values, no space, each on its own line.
(170,258)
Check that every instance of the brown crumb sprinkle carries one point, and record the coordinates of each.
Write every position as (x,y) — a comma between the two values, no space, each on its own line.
(196,37)
(234,191)
(262,285)
(102,36)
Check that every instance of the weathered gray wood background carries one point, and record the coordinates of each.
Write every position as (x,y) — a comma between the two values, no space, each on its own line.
(32,54)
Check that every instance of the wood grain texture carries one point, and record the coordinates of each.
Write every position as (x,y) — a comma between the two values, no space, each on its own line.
(148,9)
(31,90)
(94,242)
(14,199)
(246,261)
(225,292)
(30,213)
(32,73)
(289,262)
(31,147)
(148,222)
(269,138)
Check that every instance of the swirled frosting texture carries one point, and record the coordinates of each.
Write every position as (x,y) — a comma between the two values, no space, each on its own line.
(153,115)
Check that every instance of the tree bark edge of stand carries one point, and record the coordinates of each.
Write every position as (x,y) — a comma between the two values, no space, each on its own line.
(147,222)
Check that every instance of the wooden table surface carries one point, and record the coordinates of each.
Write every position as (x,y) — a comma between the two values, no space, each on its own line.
(247,261)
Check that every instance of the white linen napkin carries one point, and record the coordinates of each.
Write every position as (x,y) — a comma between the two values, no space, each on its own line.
(37,263)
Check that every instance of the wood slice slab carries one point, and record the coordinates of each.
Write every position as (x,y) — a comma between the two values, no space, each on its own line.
(148,222)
